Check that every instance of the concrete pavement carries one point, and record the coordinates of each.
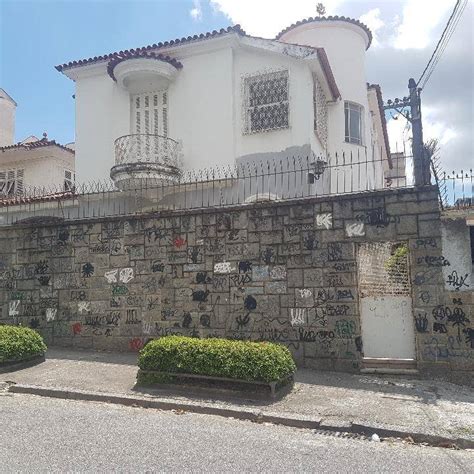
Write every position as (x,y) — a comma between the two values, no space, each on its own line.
(46,435)
(347,402)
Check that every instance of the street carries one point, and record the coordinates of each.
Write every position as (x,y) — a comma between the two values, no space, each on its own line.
(51,435)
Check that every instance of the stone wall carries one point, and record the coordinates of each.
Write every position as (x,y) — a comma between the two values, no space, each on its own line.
(283,272)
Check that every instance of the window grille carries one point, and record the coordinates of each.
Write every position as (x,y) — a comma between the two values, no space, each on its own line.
(266,102)
(383,269)
(353,122)
(320,112)
(11,182)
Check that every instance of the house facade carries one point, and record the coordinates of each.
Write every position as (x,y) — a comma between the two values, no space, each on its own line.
(36,166)
(33,165)
(225,97)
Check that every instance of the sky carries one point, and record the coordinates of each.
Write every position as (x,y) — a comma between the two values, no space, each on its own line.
(36,35)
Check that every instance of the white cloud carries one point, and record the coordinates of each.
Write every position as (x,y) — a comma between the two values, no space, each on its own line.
(433,127)
(374,22)
(196,11)
(419,19)
(266,18)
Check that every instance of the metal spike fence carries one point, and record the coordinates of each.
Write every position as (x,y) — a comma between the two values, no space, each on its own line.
(245,183)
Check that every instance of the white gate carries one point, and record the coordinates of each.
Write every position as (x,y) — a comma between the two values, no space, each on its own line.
(385,302)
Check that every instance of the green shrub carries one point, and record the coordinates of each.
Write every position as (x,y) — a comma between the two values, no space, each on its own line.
(251,361)
(18,343)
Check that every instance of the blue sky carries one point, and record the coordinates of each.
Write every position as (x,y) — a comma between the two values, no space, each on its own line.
(36,35)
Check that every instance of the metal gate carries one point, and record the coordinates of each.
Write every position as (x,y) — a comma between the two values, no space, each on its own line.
(385,301)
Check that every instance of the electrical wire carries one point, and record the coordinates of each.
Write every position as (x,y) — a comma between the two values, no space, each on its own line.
(443,41)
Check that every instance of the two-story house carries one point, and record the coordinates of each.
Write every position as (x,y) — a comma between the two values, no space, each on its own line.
(226,97)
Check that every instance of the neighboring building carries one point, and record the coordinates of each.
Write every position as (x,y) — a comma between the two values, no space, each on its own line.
(33,165)
(225,97)
(36,164)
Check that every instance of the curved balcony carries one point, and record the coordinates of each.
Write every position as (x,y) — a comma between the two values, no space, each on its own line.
(143,156)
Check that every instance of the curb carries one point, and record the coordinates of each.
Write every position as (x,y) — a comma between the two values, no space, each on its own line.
(258,417)
(13,365)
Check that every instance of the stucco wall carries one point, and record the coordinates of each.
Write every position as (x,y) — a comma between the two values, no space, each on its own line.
(284,272)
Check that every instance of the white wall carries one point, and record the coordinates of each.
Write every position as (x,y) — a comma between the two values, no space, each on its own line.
(43,167)
(102,115)
(7,121)
(300,131)
(345,48)
(200,109)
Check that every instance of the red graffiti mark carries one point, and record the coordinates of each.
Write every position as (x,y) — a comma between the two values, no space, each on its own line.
(76,328)
(136,344)
(179,242)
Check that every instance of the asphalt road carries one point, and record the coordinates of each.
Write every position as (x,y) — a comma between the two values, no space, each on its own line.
(40,434)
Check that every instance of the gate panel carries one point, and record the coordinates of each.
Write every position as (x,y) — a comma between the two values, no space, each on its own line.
(385,301)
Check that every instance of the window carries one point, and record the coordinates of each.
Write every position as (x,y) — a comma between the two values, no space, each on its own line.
(266,102)
(11,182)
(69,179)
(353,115)
(320,110)
(150,113)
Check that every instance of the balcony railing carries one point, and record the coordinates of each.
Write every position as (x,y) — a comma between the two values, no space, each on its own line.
(147,148)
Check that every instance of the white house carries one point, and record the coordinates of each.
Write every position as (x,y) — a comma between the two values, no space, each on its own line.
(32,163)
(227,97)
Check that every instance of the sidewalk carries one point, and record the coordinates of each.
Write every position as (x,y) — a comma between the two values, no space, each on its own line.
(332,400)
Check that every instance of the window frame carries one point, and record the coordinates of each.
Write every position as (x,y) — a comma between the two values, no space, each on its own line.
(12,180)
(348,107)
(248,109)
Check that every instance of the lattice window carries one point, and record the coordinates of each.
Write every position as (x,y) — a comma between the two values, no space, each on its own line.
(266,102)
(383,269)
(320,112)
(11,182)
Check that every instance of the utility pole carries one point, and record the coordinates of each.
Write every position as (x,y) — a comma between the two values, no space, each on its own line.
(421,165)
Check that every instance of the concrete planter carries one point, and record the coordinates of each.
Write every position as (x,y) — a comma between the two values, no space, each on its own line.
(216,386)
(11,365)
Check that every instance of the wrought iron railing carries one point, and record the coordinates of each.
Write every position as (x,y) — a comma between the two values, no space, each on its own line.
(246,182)
(147,148)
(457,189)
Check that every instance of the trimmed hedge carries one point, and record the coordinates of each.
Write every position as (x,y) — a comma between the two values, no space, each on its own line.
(19,343)
(244,360)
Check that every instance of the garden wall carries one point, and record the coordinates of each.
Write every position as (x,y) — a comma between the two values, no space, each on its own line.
(283,272)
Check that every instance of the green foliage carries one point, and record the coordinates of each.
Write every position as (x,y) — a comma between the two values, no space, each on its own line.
(252,361)
(397,257)
(18,343)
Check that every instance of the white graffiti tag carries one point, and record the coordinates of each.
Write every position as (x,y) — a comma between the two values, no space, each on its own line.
(305,293)
(324,220)
(111,276)
(298,316)
(13,308)
(147,327)
(126,274)
(356,229)
(84,306)
(51,314)
(224,267)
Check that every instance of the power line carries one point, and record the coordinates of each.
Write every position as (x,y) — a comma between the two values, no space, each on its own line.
(443,46)
(443,41)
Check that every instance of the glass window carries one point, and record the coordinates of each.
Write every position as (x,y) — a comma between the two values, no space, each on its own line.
(353,122)
(266,102)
